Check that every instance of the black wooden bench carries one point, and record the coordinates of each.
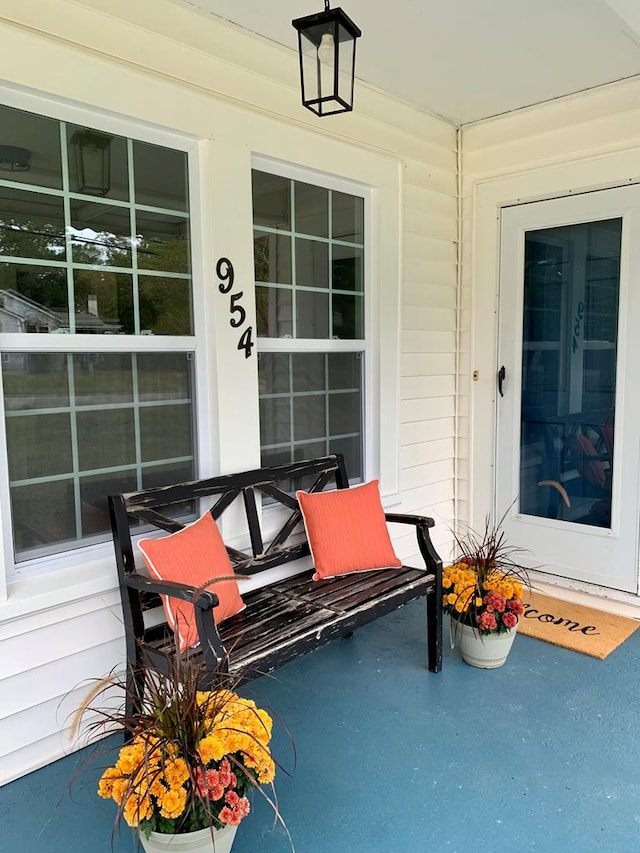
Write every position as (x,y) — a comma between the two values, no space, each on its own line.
(283,619)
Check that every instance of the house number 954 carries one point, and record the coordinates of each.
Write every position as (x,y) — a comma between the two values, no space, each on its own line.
(224,271)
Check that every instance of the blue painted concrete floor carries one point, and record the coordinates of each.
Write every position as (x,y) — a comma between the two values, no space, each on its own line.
(538,755)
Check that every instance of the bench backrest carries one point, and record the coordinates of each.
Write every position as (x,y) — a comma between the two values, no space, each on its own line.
(157,507)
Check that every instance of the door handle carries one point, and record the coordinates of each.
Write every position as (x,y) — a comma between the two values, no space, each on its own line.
(501,375)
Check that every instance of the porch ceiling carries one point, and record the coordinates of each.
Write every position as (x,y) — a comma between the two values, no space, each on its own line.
(466,60)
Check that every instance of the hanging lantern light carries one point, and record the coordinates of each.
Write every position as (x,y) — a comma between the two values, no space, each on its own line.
(327,48)
(92,152)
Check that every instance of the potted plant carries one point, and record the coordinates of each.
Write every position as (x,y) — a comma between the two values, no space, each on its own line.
(189,759)
(482,592)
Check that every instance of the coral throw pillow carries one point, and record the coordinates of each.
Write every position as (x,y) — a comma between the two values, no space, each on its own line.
(347,531)
(192,556)
(591,469)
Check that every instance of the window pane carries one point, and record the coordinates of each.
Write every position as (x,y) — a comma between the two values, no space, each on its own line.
(344,413)
(272,257)
(93,499)
(309,417)
(164,376)
(274,312)
(347,217)
(312,311)
(166,432)
(101,377)
(98,163)
(351,449)
(163,242)
(33,298)
(308,372)
(273,372)
(347,268)
(309,410)
(33,153)
(35,380)
(312,263)
(275,420)
(31,225)
(39,445)
(312,210)
(103,302)
(106,438)
(165,305)
(109,421)
(345,370)
(43,514)
(348,319)
(160,176)
(271,201)
(100,234)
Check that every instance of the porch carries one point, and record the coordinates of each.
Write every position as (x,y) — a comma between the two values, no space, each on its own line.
(534,756)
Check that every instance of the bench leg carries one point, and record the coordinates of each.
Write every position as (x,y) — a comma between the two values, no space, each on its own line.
(434,631)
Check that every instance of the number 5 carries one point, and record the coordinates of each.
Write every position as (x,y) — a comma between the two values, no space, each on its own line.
(237,309)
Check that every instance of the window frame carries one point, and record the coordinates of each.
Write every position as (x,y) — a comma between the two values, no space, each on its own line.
(363,345)
(13,572)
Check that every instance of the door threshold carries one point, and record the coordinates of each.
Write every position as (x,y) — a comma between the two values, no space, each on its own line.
(608,600)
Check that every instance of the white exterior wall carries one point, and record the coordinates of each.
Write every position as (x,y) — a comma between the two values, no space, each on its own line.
(155,62)
(583,142)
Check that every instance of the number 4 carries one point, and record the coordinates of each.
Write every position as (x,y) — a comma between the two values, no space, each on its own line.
(245,342)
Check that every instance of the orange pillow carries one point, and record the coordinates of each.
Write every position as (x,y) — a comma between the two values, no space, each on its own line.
(347,531)
(591,469)
(192,556)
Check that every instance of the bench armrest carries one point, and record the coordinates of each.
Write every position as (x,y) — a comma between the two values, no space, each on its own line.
(215,654)
(432,560)
(206,599)
(404,518)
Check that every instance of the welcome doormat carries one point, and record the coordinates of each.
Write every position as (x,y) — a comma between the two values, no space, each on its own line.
(582,629)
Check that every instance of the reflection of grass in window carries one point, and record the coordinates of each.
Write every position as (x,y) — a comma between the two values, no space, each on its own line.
(111,384)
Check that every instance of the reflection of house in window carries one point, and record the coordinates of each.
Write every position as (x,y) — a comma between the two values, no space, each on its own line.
(20,314)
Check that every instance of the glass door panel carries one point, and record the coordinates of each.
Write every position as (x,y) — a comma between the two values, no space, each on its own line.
(569,356)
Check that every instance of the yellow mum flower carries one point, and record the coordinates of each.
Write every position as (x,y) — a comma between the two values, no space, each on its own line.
(173,802)
(176,772)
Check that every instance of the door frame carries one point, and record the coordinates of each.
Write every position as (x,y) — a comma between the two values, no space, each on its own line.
(478,385)
(569,550)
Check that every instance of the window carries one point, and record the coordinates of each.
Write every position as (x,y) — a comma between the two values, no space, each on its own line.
(309,248)
(97,325)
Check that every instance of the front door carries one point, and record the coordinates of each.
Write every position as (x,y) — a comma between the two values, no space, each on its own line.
(568,385)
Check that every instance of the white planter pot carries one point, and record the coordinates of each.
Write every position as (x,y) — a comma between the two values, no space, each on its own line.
(487,651)
(191,842)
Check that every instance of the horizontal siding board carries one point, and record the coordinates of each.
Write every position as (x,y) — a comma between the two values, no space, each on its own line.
(440,226)
(420,198)
(426,387)
(429,319)
(427,451)
(422,174)
(60,640)
(422,410)
(438,273)
(413,341)
(423,246)
(429,430)
(418,293)
(45,682)
(422,475)
(428,364)
(605,102)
